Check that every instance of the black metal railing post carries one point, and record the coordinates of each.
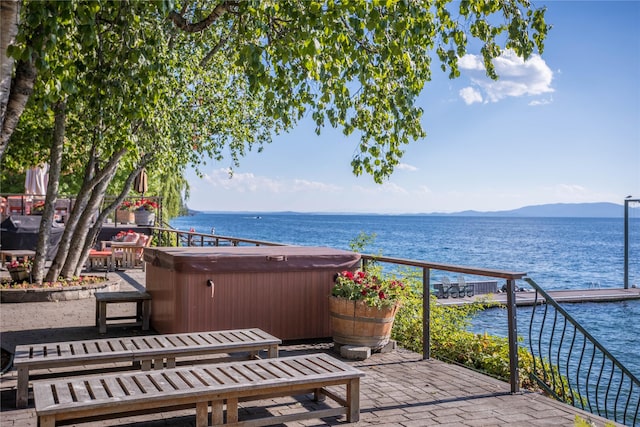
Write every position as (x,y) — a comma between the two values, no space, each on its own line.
(426,313)
(513,336)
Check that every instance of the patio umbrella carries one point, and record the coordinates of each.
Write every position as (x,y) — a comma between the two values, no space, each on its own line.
(35,182)
(140,182)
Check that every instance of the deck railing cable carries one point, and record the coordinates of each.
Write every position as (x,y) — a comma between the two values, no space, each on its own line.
(572,366)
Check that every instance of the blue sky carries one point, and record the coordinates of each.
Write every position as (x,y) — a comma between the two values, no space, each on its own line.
(561,128)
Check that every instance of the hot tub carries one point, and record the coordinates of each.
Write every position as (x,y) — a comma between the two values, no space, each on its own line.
(281,289)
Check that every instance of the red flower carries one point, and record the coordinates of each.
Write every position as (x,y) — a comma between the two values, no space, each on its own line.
(371,289)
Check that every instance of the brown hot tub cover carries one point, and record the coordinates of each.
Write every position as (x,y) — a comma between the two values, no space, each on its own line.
(250,259)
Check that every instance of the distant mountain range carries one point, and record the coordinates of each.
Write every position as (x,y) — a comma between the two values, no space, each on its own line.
(570,210)
(555,210)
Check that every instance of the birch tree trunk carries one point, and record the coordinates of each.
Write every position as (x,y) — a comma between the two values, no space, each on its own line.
(9,20)
(79,211)
(55,165)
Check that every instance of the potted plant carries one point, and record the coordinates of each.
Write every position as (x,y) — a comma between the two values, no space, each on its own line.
(124,213)
(19,270)
(144,212)
(37,208)
(362,308)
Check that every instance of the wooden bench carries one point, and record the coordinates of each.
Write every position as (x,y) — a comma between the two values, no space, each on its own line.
(150,351)
(110,396)
(143,308)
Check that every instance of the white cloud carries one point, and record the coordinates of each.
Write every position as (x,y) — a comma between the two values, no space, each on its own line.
(471,62)
(570,190)
(539,102)
(250,183)
(516,77)
(406,167)
(470,95)
(387,187)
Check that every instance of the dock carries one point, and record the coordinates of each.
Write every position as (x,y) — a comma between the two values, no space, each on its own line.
(528,298)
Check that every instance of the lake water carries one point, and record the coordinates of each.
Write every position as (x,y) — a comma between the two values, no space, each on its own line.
(557,253)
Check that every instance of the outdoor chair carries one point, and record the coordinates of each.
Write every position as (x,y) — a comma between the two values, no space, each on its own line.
(439,291)
(129,254)
(452,289)
(465,289)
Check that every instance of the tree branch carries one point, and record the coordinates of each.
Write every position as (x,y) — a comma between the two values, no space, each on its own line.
(216,48)
(180,22)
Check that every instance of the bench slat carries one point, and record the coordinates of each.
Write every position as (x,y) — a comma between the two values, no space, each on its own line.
(97,388)
(63,392)
(300,368)
(252,373)
(281,370)
(65,350)
(129,386)
(80,391)
(112,387)
(146,384)
(265,371)
(195,339)
(191,379)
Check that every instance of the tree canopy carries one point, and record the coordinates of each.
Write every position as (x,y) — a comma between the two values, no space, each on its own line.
(101,89)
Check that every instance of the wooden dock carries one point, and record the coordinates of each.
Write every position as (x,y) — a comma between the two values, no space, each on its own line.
(561,296)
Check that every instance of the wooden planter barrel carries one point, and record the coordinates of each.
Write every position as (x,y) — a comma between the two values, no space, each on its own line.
(124,217)
(19,274)
(355,323)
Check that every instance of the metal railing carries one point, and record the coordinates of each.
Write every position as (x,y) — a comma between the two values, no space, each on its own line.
(191,238)
(564,352)
(571,365)
(511,277)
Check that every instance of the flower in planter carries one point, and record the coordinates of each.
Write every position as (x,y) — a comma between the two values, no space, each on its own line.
(25,264)
(127,205)
(38,207)
(361,286)
(121,236)
(146,205)
(60,283)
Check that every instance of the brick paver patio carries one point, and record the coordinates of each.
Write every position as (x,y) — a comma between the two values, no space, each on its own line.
(399,389)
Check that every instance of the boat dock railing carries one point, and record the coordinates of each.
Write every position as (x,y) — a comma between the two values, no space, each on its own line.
(601,385)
